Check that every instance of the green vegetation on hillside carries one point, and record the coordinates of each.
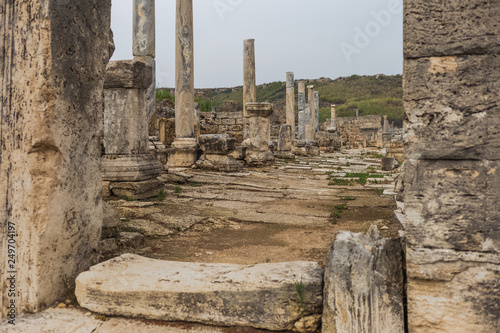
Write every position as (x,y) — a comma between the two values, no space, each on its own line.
(372,95)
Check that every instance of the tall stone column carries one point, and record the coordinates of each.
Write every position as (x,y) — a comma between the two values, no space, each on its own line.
(312,114)
(301,101)
(452,167)
(316,111)
(144,47)
(184,148)
(290,101)
(51,106)
(249,81)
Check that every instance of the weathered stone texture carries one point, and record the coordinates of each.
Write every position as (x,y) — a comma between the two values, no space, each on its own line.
(364,284)
(452,107)
(128,74)
(451,27)
(217,123)
(352,130)
(52,70)
(262,296)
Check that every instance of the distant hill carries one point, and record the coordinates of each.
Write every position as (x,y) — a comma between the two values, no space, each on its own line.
(372,95)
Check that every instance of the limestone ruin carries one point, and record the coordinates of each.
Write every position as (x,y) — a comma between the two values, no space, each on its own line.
(75,127)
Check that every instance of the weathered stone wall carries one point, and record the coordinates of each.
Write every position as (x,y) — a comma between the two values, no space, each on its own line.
(353,130)
(53,57)
(230,123)
(452,178)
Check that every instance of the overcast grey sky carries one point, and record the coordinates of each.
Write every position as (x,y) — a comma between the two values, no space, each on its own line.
(312,38)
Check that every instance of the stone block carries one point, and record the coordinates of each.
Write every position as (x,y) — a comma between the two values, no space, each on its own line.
(453,205)
(452,107)
(217,144)
(130,74)
(216,162)
(364,284)
(107,245)
(387,163)
(456,27)
(261,296)
(453,291)
(131,239)
(52,64)
(137,190)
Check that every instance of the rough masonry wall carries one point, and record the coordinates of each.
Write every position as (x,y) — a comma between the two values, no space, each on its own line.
(230,123)
(52,59)
(351,129)
(452,148)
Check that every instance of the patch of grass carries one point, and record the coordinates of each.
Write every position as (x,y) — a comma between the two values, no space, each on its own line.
(124,197)
(177,190)
(337,212)
(375,176)
(348,198)
(348,164)
(380,191)
(195,184)
(362,177)
(339,181)
(377,155)
(299,288)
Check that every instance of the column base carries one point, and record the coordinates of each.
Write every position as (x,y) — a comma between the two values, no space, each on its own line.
(130,168)
(259,158)
(183,154)
(137,190)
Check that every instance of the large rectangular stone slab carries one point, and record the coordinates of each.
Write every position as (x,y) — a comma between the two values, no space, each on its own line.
(457,27)
(452,107)
(269,296)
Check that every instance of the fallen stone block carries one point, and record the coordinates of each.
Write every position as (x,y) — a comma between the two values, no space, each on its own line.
(131,239)
(268,296)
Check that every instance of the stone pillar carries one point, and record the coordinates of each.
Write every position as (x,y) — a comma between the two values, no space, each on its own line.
(311,106)
(285,143)
(50,124)
(316,111)
(290,101)
(385,128)
(302,96)
(127,163)
(144,45)
(452,167)
(249,82)
(333,119)
(258,153)
(357,113)
(301,134)
(184,148)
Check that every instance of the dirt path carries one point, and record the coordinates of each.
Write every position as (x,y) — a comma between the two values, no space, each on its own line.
(288,212)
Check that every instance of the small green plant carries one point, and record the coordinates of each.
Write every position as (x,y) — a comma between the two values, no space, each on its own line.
(362,177)
(339,168)
(348,198)
(299,288)
(348,164)
(177,190)
(337,212)
(161,196)
(195,184)
(380,191)
(268,260)
(69,289)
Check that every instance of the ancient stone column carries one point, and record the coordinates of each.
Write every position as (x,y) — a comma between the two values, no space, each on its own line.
(258,153)
(316,111)
(290,101)
(302,96)
(184,148)
(452,167)
(144,45)
(249,81)
(301,133)
(312,114)
(333,115)
(357,113)
(285,142)
(385,128)
(52,62)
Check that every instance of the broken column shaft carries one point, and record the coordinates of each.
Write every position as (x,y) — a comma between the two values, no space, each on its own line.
(258,152)
(290,101)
